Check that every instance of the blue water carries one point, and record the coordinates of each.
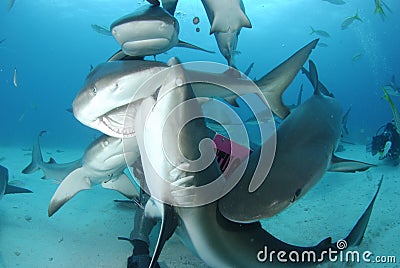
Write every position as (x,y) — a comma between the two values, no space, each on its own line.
(52,45)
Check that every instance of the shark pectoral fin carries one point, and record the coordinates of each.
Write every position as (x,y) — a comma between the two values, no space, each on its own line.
(357,233)
(339,164)
(11,189)
(75,182)
(188,45)
(121,55)
(123,185)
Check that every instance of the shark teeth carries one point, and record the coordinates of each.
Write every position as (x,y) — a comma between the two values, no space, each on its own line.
(121,120)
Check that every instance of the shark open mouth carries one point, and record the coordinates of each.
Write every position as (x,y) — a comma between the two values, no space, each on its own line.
(121,120)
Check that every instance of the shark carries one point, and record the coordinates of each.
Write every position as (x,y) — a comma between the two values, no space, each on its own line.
(111,88)
(51,169)
(103,162)
(301,159)
(226,18)
(150,30)
(6,188)
(217,240)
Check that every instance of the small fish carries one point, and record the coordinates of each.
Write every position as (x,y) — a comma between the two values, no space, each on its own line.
(379,8)
(10,4)
(101,29)
(2,40)
(348,21)
(321,44)
(356,57)
(15,81)
(335,2)
(319,32)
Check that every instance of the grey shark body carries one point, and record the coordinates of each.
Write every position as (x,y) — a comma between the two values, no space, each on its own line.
(216,240)
(103,163)
(6,188)
(51,169)
(169,5)
(150,30)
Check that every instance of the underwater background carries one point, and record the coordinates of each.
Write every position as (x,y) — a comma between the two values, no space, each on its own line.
(52,46)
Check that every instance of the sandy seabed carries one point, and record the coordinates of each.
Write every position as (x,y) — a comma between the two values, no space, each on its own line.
(84,232)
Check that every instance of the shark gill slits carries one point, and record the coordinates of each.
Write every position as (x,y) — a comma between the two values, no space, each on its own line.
(296,195)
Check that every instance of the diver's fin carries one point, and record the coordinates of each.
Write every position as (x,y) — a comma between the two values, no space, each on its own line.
(276,81)
(123,185)
(75,182)
(339,164)
(188,45)
(11,189)
(120,55)
(168,225)
(357,233)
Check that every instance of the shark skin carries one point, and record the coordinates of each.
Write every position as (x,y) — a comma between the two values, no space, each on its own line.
(150,30)
(6,188)
(51,169)
(218,241)
(103,163)
(108,90)
(306,141)
(227,18)
(169,5)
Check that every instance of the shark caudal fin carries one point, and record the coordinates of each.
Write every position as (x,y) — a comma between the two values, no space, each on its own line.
(357,233)
(276,81)
(37,158)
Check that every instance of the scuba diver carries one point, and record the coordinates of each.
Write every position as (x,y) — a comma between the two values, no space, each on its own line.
(386,142)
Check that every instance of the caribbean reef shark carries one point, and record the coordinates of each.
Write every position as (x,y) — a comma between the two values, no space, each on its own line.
(110,87)
(218,241)
(6,188)
(150,30)
(301,159)
(103,163)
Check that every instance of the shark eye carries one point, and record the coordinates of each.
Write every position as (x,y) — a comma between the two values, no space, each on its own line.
(94,91)
(106,142)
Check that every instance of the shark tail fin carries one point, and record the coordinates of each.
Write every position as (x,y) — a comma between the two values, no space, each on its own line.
(37,158)
(276,81)
(357,233)
(188,45)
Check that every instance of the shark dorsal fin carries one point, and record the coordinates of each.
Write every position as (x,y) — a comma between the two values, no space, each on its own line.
(52,161)
(314,77)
